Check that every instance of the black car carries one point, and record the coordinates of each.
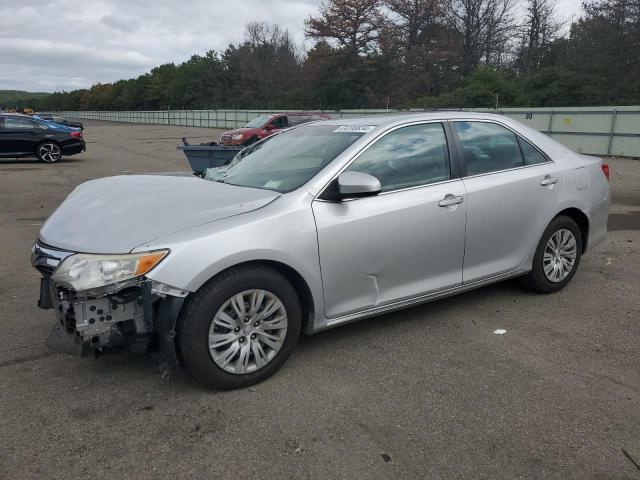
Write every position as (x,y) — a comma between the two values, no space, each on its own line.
(50,117)
(22,136)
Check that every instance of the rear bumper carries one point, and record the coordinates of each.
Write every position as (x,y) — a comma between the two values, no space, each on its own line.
(598,215)
(74,148)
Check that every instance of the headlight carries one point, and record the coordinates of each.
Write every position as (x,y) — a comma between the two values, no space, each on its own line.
(83,271)
(237,136)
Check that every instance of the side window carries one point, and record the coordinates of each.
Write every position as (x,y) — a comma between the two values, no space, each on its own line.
(488,147)
(280,122)
(21,123)
(298,120)
(407,157)
(532,155)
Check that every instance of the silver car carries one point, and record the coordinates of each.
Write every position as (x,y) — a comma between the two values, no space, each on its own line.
(324,224)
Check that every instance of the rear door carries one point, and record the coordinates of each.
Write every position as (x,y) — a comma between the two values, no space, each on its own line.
(406,241)
(513,189)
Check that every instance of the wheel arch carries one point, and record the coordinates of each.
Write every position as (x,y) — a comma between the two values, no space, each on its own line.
(581,219)
(49,140)
(297,281)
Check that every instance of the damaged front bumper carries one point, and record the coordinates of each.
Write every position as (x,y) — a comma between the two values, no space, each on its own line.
(138,315)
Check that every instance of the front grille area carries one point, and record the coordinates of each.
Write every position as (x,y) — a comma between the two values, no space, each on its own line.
(46,259)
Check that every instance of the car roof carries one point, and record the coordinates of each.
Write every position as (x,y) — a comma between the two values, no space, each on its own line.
(390,119)
(296,113)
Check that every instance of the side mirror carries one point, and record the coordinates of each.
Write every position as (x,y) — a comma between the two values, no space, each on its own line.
(268,127)
(357,184)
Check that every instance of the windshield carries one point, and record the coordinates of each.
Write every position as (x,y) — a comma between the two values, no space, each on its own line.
(259,121)
(288,160)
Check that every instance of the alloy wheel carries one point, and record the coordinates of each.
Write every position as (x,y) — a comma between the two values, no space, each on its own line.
(49,152)
(247,331)
(559,255)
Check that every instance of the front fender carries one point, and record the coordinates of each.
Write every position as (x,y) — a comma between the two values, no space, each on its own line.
(280,233)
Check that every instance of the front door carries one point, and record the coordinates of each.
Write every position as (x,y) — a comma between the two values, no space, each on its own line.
(406,241)
(19,135)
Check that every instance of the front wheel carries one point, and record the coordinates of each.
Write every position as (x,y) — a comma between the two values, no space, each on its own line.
(240,327)
(49,152)
(557,257)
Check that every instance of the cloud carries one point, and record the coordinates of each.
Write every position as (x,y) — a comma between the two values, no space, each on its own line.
(127,25)
(48,46)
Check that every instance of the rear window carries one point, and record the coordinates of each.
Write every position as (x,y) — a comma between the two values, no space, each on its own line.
(298,120)
(488,147)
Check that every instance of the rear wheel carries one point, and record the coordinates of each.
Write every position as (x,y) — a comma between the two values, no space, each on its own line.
(557,257)
(240,327)
(49,152)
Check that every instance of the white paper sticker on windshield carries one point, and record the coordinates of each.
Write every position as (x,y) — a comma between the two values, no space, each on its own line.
(354,129)
(272,184)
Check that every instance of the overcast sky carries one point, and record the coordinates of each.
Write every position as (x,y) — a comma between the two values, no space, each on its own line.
(52,45)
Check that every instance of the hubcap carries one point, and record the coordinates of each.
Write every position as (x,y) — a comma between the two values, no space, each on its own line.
(49,152)
(247,331)
(559,255)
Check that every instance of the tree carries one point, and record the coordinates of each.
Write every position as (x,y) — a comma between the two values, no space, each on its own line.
(540,29)
(264,69)
(418,40)
(605,43)
(352,24)
(484,28)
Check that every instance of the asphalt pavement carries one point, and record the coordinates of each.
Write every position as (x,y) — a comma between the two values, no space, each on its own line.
(428,392)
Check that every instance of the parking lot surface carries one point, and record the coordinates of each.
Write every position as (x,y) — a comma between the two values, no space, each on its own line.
(428,392)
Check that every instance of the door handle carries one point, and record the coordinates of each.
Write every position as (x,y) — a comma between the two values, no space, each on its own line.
(548,180)
(449,200)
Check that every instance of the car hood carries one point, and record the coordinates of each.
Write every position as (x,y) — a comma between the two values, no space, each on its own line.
(117,214)
(243,130)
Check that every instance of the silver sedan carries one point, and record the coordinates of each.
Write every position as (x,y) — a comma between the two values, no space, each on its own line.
(324,224)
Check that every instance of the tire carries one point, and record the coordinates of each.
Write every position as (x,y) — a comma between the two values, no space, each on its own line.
(542,282)
(49,152)
(196,326)
(250,141)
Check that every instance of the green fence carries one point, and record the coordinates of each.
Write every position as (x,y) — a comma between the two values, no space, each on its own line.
(593,130)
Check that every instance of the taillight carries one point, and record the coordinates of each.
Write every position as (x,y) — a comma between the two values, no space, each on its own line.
(605,170)
(75,134)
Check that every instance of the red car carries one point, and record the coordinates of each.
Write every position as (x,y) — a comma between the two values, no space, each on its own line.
(265,125)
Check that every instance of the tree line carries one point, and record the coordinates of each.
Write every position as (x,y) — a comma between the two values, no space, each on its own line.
(401,54)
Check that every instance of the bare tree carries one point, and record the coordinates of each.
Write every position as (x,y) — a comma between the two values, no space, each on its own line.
(417,39)
(412,24)
(484,28)
(540,29)
(352,24)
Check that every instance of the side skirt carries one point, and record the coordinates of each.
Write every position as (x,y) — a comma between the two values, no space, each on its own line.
(447,292)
